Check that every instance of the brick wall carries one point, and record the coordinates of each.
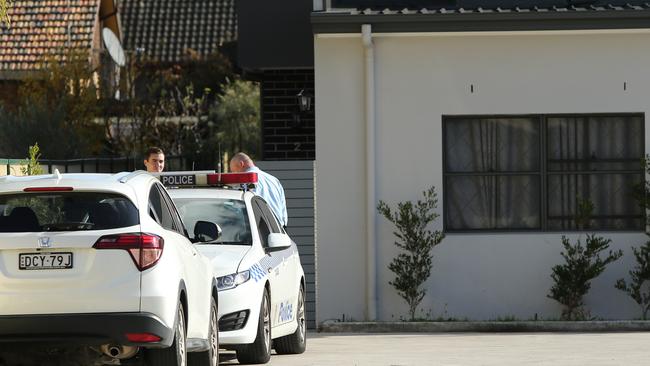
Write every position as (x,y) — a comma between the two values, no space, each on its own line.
(287,134)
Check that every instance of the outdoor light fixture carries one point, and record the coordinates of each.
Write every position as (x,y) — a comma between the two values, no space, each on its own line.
(304,100)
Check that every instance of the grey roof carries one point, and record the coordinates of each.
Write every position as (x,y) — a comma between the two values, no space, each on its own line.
(596,15)
(502,10)
(165,30)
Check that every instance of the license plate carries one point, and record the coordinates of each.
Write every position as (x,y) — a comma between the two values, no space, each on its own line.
(37,261)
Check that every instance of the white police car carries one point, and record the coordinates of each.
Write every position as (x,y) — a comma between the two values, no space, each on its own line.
(103,264)
(260,279)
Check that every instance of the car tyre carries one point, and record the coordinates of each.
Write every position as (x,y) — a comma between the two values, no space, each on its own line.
(296,342)
(211,356)
(176,354)
(259,351)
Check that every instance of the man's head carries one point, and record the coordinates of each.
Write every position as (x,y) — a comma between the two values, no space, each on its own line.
(240,162)
(154,160)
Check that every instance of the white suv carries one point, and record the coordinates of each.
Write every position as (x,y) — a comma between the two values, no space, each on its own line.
(261,281)
(102,263)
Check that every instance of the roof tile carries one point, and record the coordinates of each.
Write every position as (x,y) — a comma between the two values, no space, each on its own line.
(165,29)
(45,27)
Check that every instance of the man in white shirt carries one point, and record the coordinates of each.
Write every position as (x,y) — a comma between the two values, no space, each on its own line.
(268,186)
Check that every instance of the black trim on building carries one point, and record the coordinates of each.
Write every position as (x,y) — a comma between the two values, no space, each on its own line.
(478,21)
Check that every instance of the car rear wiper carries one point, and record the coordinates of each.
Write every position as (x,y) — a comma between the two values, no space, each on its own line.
(70,225)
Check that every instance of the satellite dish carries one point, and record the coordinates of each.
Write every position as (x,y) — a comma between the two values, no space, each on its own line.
(114,47)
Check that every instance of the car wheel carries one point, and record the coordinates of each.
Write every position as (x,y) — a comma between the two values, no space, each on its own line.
(297,342)
(176,354)
(260,350)
(211,356)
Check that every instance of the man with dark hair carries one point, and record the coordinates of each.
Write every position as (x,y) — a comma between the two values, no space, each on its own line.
(268,186)
(154,160)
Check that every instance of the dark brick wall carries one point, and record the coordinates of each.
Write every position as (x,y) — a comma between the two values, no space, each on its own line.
(287,134)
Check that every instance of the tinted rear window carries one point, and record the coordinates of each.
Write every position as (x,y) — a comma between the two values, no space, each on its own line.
(65,211)
(230,215)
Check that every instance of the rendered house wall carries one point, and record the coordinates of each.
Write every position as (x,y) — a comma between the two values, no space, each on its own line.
(419,79)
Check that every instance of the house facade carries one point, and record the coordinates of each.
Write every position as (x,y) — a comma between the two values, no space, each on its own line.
(514,112)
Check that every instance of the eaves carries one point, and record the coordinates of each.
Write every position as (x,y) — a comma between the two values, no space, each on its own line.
(330,22)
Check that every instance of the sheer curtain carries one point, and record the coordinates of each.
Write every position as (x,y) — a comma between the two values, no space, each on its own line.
(492,167)
(596,159)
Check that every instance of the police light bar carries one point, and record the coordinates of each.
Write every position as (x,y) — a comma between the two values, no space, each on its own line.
(232,178)
(209,178)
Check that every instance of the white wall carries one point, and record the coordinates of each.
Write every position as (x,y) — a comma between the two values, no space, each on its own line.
(420,79)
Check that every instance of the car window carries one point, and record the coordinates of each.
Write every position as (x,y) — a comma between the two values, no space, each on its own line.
(230,214)
(177,223)
(66,211)
(262,225)
(158,209)
(272,221)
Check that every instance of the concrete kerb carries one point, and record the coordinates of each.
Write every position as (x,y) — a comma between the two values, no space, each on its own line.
(485,326)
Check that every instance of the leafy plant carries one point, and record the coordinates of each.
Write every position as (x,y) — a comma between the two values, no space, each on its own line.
(639,275)
(412,267)
(57,107)
(639,286)
(4,11)
(573,278)
(237,116)
(32,166)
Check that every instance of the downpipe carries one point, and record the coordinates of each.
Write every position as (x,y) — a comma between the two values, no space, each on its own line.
(371,246)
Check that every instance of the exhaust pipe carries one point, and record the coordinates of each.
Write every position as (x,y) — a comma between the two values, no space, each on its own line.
(119,352)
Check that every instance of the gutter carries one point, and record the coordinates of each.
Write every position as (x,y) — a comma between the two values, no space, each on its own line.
(324,22)
(371,222)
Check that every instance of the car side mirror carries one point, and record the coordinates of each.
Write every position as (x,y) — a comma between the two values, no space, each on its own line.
(205,231)
(278,241)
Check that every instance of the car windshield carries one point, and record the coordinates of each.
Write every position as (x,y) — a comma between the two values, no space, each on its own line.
(230,214)
(65,211)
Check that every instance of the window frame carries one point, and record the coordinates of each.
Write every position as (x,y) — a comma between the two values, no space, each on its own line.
(543,173)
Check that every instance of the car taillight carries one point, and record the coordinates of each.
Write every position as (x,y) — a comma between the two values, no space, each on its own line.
(145,249)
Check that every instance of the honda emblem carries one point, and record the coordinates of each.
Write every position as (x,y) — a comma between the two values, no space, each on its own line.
(44,242)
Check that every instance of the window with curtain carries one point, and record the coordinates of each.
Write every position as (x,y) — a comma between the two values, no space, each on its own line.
(530,172)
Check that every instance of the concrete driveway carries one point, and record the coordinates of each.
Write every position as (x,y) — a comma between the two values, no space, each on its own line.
(470,349)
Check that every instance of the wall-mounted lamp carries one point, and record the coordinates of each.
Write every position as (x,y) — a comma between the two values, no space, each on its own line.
(304,100)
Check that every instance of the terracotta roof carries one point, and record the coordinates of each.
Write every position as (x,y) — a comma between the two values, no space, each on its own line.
(165,29)
(45,27)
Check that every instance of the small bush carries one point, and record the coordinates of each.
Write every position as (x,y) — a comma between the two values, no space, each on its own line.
(413,266)
(573,278)
(638,289)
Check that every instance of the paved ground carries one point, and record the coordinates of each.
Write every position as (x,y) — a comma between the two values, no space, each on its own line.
(470,349)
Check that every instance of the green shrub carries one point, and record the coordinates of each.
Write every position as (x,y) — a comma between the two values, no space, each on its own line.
(412,267)
(572,279)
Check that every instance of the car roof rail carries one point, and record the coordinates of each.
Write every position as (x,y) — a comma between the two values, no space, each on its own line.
(131,175)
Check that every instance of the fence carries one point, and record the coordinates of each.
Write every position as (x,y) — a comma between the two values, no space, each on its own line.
(297,178)
(93,165)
